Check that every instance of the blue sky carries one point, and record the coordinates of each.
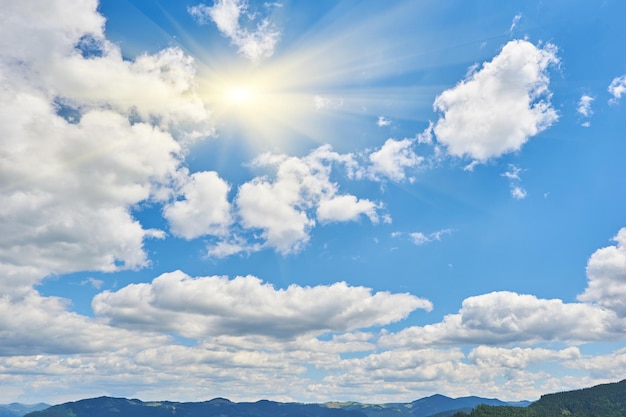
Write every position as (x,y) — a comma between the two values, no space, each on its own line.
(311,201)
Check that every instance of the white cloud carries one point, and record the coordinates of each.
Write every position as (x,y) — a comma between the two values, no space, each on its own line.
(205,209)
(95,283)
(392,159)
(506,317)
(515,21)
(323,102)
(226,14)
(32,324)
(497,109)
(617,88)
(517,191)
(606,272)
(85,138)
(610,366)
(383,121)
(211,306)
(512,173)
(283,207)
(584,105)
(426,137)
(420,238)
(518,358)
(345,208)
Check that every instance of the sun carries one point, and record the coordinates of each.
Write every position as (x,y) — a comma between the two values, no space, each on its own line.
(241,95)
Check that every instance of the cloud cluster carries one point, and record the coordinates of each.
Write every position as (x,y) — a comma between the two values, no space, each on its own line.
(86,135)
(226,14)
(498,108)
(284,206)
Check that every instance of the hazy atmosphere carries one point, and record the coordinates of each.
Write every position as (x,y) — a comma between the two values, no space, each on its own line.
(311,200)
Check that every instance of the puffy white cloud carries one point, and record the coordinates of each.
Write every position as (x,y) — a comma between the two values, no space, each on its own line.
(86,136)
(497,109)
(210,306)
(606,273)
(392,159)
(344,208)
(283,206)
(226,14)
(617,88)
(506,317)
(72,212)
(205,209)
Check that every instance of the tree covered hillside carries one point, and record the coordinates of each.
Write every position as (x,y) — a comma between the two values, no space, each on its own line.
(607,400)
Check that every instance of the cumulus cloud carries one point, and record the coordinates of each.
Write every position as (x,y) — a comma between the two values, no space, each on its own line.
(86,135)
(226,14)
(204,209)
(211,306)
(498,108)
(606,273)
(617,88)
(283,207)
(505,317)
(393,159)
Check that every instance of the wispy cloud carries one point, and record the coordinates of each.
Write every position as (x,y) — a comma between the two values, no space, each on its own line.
(617,88)
(513,175)
(420,238)
(383,121)
(514,23)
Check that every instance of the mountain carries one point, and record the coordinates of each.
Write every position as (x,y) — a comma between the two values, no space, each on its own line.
(438,405)
(220,407)
(18,410)
(607,400)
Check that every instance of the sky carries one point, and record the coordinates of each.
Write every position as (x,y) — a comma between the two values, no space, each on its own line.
(309,201)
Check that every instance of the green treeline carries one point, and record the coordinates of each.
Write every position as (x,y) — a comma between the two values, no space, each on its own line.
(608,400)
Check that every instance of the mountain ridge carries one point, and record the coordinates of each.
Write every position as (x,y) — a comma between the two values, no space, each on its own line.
(114,406)
(606,400)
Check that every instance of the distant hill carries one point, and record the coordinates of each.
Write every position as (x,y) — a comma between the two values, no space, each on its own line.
(607,400)
(436,405)
(18,410)
(220,407)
